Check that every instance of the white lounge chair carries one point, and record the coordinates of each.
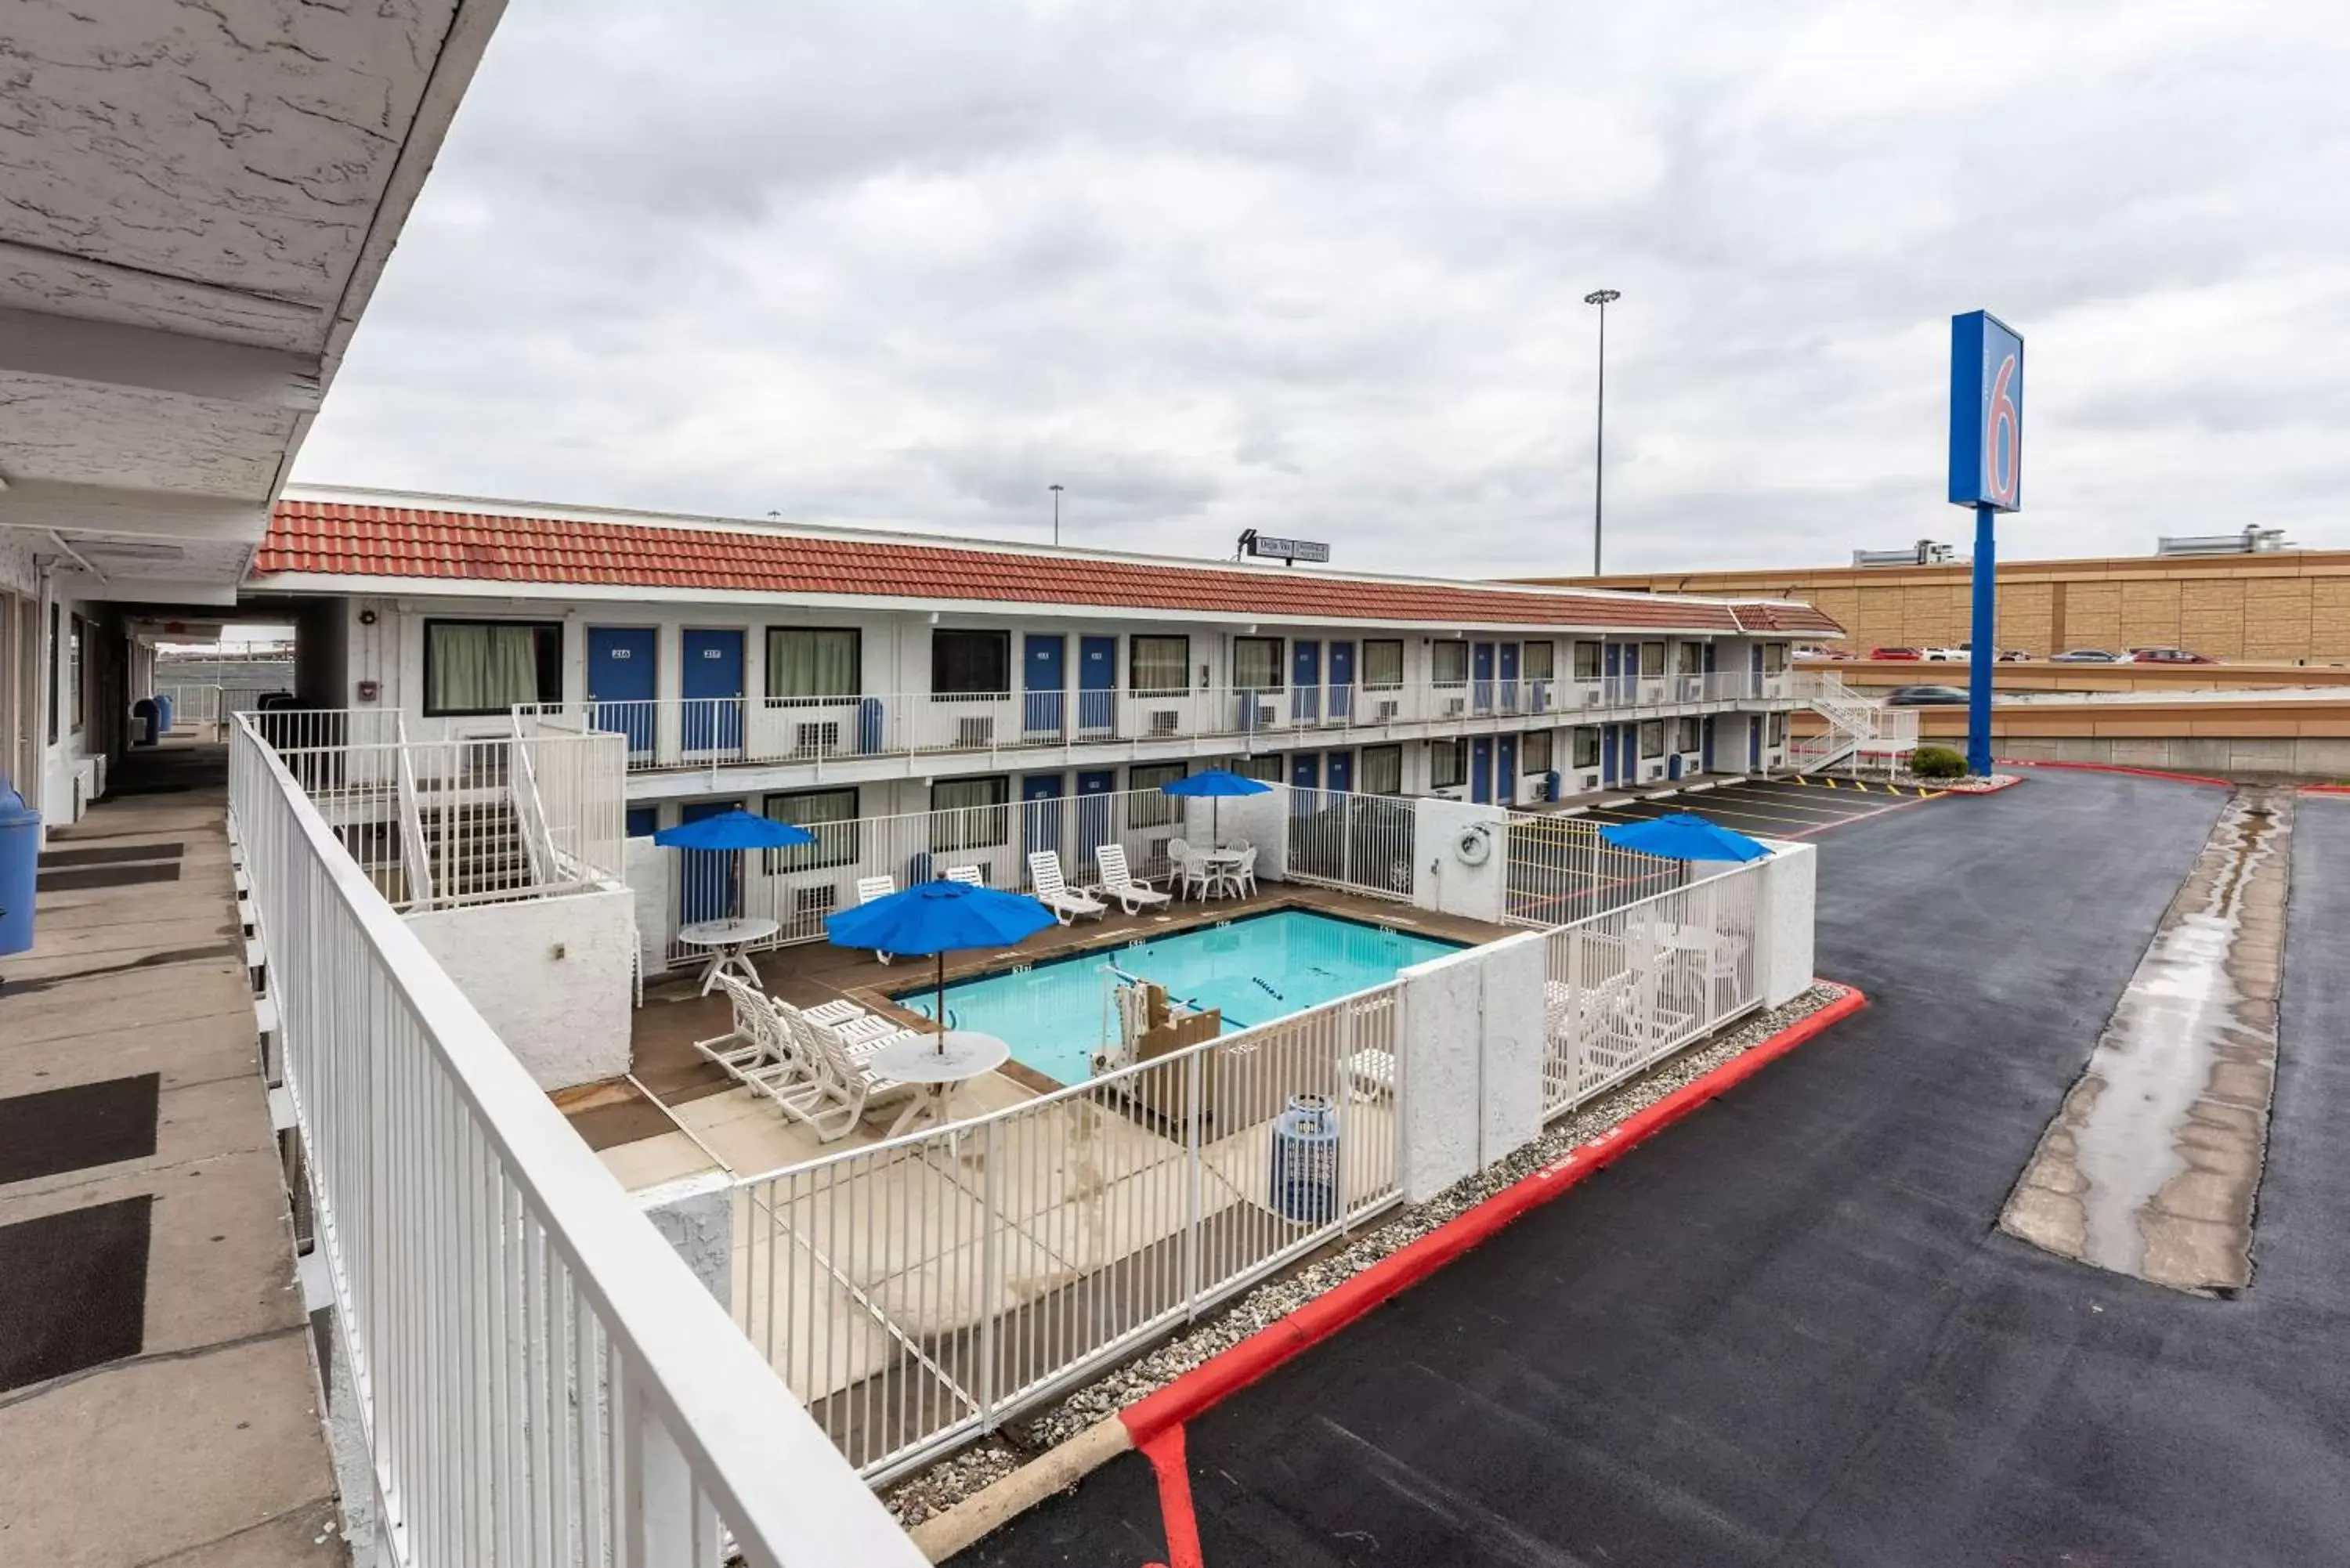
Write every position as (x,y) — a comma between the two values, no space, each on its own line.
(871,888)
(1371,1073)
(969,875)
(844,1087)
(1066,902)
(751,1040)
(1117,882)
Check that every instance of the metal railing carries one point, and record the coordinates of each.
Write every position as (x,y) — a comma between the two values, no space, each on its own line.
(924,1289)
(797,887)
(1864,733)
(1625,989)
(668,732)
(1360,843)
(539,1378)
(1560,870)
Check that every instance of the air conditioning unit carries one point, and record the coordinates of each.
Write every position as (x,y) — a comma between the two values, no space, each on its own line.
(1166,722)
(1389,710)
(816,740)
(1587,781)
(815,900)
(1455,706)
(1268,714)
(975,731)
(1591,695)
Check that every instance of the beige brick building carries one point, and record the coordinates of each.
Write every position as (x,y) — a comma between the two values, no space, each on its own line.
(2289,607)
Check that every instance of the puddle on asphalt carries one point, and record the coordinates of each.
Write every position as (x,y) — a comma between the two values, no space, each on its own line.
(2152,1165)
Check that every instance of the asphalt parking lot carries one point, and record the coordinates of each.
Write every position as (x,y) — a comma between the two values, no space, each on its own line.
(1774,808)
(1787,1331)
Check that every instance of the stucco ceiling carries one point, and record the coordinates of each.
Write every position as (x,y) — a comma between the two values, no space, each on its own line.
(195,201)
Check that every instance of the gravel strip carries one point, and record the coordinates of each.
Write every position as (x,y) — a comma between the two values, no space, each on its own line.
(944,1484)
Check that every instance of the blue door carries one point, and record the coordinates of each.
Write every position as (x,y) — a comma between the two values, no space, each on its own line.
(644,820)
(1340,770)
(1305,770)
(1611,683)
(1481,769)
(712,688)
(1040,822)
(1755,741)
(1040,663)
(705,877)
(623,666)
(1505,768)
(1305,681)
(1508,655)
(1342,679)
(1705,729)
(1480,673)
(1093,817)
(1608,753)
(1097,686)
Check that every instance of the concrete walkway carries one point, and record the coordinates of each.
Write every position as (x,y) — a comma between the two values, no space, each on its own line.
(158,1398)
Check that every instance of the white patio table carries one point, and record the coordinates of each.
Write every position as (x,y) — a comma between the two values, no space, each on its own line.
(729,941)
(938,1064)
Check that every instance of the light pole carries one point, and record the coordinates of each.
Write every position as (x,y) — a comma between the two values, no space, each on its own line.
(1603,299)
(1057,514)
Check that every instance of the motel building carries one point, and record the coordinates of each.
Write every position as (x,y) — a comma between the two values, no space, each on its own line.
(974,699)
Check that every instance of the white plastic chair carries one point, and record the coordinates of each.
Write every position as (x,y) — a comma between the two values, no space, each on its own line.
(1056,895)
(871,888)
(844,1087)
(1117,882)
(969,874)
(1190,873)
(1242,876)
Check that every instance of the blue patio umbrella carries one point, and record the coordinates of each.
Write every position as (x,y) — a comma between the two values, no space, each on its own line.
(938,918)
(1683,836)
(1214,783)
(735,830)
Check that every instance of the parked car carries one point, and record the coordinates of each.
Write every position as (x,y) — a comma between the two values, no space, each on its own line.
(2014,655)
(1908,653)
(1962,654)
(1822,653)
(2084,656)
(1926,697)
(2168,655)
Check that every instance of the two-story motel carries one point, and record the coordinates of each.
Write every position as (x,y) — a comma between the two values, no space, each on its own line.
(822,674)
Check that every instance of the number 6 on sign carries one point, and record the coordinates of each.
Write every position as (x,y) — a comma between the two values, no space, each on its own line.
(1986,412)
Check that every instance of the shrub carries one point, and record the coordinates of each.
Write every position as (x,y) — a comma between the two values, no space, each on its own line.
(1937,763)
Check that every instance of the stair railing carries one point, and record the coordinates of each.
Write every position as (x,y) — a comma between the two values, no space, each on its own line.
(530,816)
(411,824)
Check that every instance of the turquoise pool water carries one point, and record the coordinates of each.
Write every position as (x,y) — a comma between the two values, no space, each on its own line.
(1256,968)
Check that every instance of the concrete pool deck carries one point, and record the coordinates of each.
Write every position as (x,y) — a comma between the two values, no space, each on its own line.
(1789,1330)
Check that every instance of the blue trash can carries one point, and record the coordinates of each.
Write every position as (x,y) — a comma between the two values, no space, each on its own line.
(1306,1160)
(163,717)
(20,857)
(142,718)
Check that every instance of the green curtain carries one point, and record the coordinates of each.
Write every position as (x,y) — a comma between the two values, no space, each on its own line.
(812,663)
(1160,663)
(482,667)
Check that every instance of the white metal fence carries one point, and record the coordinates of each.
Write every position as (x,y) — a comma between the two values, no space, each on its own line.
(920,1289)
(539,1378)
(1560,870)
(799,887)
(1625,989)
(671,733)
(1361,843)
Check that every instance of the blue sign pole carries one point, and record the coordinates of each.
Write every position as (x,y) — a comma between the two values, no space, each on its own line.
(1983,656)
(1986,473)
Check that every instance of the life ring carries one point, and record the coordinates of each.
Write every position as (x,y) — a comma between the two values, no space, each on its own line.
(1472,847)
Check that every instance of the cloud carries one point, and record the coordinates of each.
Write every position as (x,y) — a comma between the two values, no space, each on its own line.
(1319,270)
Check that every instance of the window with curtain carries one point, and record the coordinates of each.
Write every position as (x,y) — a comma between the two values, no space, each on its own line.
(829,814)
(1586,661)
(1256,664)
(1152,809)
(480,667)
(1448,763)
(1533,752)
(1587,747)
(1652,738)
(1652,659)
(1693,658)
(814,661)
(1268,769)
(1778,729)
(970,663)
(1382,770)
(1383,662)
(1540,660)
(1449,663)
(1774,659)
(972,814)
(1160,666)
(1686,738)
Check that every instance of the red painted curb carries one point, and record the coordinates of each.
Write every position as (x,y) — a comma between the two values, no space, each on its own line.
(2326,789)
(2137,773)
(1227,1373)
(1172,1469)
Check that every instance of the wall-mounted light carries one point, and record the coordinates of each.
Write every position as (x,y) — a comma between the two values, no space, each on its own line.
(367,617)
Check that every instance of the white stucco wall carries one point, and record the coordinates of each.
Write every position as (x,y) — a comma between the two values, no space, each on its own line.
(551,975)
(1785,924)
(1262,819)
(647,866)
(1439,1087)
(1447,883)
(696,1215)
(1511,991)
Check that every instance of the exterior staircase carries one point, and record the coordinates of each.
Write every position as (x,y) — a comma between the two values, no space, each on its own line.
(1864,735)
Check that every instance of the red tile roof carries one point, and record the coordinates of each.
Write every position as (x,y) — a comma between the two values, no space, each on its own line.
(345,539)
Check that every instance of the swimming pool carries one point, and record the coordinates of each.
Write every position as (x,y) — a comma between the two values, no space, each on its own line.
(1255,969)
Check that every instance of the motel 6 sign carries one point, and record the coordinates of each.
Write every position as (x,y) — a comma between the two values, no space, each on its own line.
(1986,412)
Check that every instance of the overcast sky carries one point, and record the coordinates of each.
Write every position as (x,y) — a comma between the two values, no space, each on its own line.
(1318,269)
